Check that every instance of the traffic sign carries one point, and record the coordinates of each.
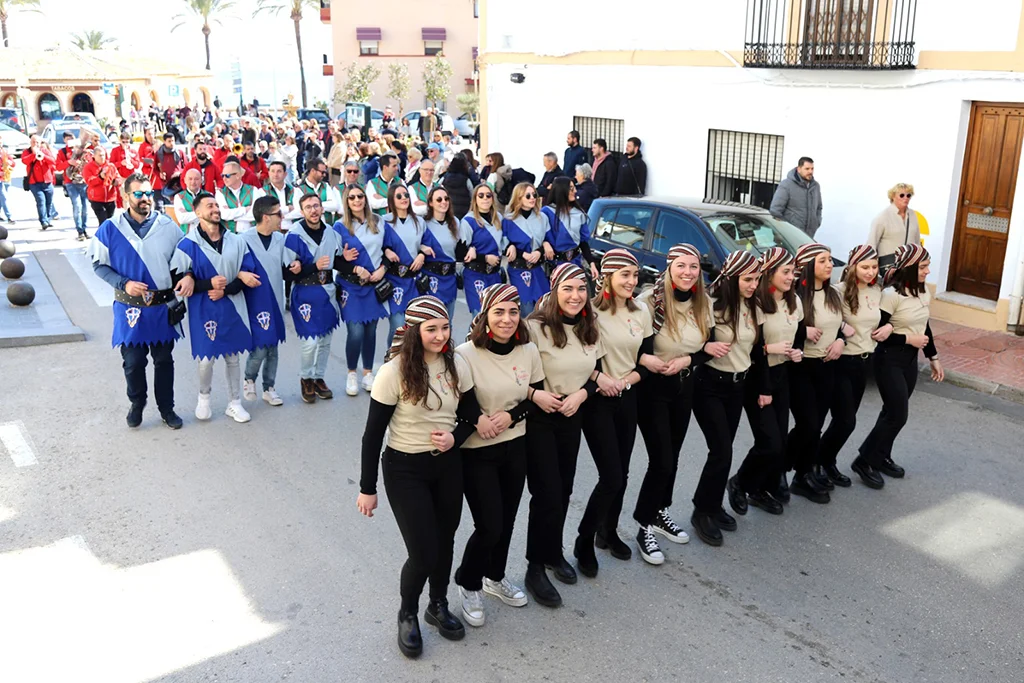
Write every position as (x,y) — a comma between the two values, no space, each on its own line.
(109,89)
(173,90)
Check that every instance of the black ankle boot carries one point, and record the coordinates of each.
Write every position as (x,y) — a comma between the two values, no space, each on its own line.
(610,541)
(563,571)
(706,528)
(818,472)
(586,560)
(837,477)
(410,642)
(868,474)
(539,586)
(781,494)
(447,624)
(807,486)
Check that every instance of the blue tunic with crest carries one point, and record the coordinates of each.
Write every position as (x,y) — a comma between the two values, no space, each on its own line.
(438,237)
(566,232)
(527,234)
(266,302)
(359,301)
(314,307)
(486,239)
(404,238)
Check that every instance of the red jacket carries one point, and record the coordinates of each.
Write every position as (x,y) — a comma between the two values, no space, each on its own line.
(45,165)
(257,166)
(100,181)
(169,163)
(117,157)
(211,174)
(146,157)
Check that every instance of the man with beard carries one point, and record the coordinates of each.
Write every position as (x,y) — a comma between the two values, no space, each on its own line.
(184,201)
(315,183)
(254,163)
(204,163)
(132,252)
(284,193)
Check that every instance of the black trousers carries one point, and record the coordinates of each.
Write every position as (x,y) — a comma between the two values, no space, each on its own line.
(609,425)
(494,477)
(425,492)
(663,414)
(718,406)
(134,360)
(896,375)
(103,210)
(811,383)
(851,378)
(766,459)
(552,449)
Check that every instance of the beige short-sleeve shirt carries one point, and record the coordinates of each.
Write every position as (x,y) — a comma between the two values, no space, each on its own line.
(411,424)
(909,313)
(501,383)
(566,369)
(826,320)
(781,326)
(621,334)
(864,321)
(688,339)
(738,358)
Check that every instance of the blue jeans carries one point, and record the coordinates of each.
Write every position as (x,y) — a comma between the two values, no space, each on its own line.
(78,205)
(267,357)
(43,193)
(362,338)
(314,354)
(4,187)
(395,321)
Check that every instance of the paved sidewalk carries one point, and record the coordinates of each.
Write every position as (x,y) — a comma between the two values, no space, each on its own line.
(42,322)
(992,362)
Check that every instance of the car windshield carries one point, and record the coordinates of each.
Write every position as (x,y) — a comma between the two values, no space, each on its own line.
(7,129)
(755,232)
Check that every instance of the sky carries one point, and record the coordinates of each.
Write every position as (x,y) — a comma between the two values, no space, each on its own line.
(264,46)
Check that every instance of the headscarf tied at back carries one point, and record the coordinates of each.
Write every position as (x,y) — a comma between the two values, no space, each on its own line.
(808,252)
(658,297)
(490,297)
(737,264)
(907,255)
(561,273)
(863,252)
(775,257)
(419,310)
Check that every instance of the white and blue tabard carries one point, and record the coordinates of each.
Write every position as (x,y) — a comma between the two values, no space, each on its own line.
(359,301)
(486,239)
(314,306)
(403,237)
(566,233)
(216,328)
(142,259)
(266,302)
(527,234)
(440,268)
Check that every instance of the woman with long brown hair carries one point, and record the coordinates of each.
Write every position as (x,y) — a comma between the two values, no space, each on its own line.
(417,397)
(526,271)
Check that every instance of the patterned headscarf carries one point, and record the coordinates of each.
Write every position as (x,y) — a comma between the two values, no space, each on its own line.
(907,255)
(490,297)
(419,310)
(737,264)
(775,258)
(808,252)
(561,273)
(658,297)
(615,260)
(863,252)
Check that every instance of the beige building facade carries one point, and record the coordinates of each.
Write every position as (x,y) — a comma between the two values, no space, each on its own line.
(409,32)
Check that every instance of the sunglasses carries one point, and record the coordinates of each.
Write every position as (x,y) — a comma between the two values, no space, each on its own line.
(441,199)
(401,196)
(905,195)
(354,197)
(278,213)
(226,175)
(485,195)
(529,195)
(351,172)
(139,194)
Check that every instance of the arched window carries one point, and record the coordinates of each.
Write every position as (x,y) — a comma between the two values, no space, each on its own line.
(81,102)
(49,107)
(9,99)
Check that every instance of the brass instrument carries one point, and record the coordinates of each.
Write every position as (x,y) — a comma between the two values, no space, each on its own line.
(237,149)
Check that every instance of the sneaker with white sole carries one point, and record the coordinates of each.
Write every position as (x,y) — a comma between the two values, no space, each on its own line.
(472,606)
(249,390)
(506,591)
(649,548)
(368,381)
(236,412)
(203,411)
(271,396)
(352,385)
(664,524)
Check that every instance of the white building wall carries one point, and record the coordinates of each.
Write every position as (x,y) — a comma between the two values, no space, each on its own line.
(865,130)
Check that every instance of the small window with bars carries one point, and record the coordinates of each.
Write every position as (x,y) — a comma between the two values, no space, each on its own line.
(743,167)
(612,131)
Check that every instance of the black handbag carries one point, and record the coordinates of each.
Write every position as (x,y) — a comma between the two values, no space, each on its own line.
(422,283)
(26,182)
(175,312)
(383,290)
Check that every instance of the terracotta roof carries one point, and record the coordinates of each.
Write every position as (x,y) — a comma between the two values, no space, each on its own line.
(71,64)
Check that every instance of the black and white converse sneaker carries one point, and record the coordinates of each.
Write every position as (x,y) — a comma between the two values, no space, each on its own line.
(666,526)
(649,548)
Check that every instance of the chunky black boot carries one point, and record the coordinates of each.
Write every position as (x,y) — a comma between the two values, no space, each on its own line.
(706,528)
(868,474)
(586,560)
(563,571)
(837,477)
(448,625)
(539,586)
(610,541)
(410,642)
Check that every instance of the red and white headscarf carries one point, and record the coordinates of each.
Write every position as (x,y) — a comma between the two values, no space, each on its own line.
(737,264)
(808,252)
(907,255)
(862,252)
(658,296)
(561,273)
(492,296)
(615,260)
(419,310)
(775,257)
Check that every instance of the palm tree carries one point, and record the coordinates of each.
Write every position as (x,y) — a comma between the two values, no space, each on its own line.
(91,40)
(7,6)
(295,14)
(207,10)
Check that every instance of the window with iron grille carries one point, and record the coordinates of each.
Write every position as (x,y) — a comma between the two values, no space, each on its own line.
(613,131)
(743,167)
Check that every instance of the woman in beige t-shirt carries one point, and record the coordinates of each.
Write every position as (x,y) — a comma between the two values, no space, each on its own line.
(718,388)
(509,380)
(609,419)
(416,398)
(761,479)
(905,317)
(682,325)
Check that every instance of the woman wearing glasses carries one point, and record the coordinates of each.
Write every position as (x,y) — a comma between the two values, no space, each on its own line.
(442,248)
(402,253)
(896,225)
(526,271)
(361,230)
(481,230)
(568,234)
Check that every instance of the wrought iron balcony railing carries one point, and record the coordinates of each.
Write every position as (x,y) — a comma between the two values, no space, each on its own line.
(830,34)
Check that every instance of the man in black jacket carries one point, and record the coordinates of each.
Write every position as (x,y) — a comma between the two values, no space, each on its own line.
(575,154)
(604,168)
(551,171)
(632,171)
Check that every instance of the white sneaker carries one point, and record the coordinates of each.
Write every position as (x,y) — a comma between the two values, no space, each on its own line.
(368,381)
(271,396)
(472,607)
(249,390)
(352,385)
(664,524)
(506,591)
(203,411)
(649,548)
(236,412)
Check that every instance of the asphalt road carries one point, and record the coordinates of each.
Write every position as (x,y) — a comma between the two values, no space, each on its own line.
(227,552)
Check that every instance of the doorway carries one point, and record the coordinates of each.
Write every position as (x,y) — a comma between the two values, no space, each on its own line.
(82,103)
(991,158)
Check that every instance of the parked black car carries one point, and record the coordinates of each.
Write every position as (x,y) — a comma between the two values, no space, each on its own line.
(649,226)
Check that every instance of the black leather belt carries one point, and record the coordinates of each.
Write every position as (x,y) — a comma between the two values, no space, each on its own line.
(734,377)
(398,269)
(483,267)
(565,256)
(440,267)
(317,277)
(153,297)
(388,450)
(523,264)
(887,260)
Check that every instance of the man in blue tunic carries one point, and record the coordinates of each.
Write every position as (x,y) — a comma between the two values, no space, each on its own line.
(132,252)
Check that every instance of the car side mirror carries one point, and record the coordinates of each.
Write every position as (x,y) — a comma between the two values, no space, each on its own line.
(706,264)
